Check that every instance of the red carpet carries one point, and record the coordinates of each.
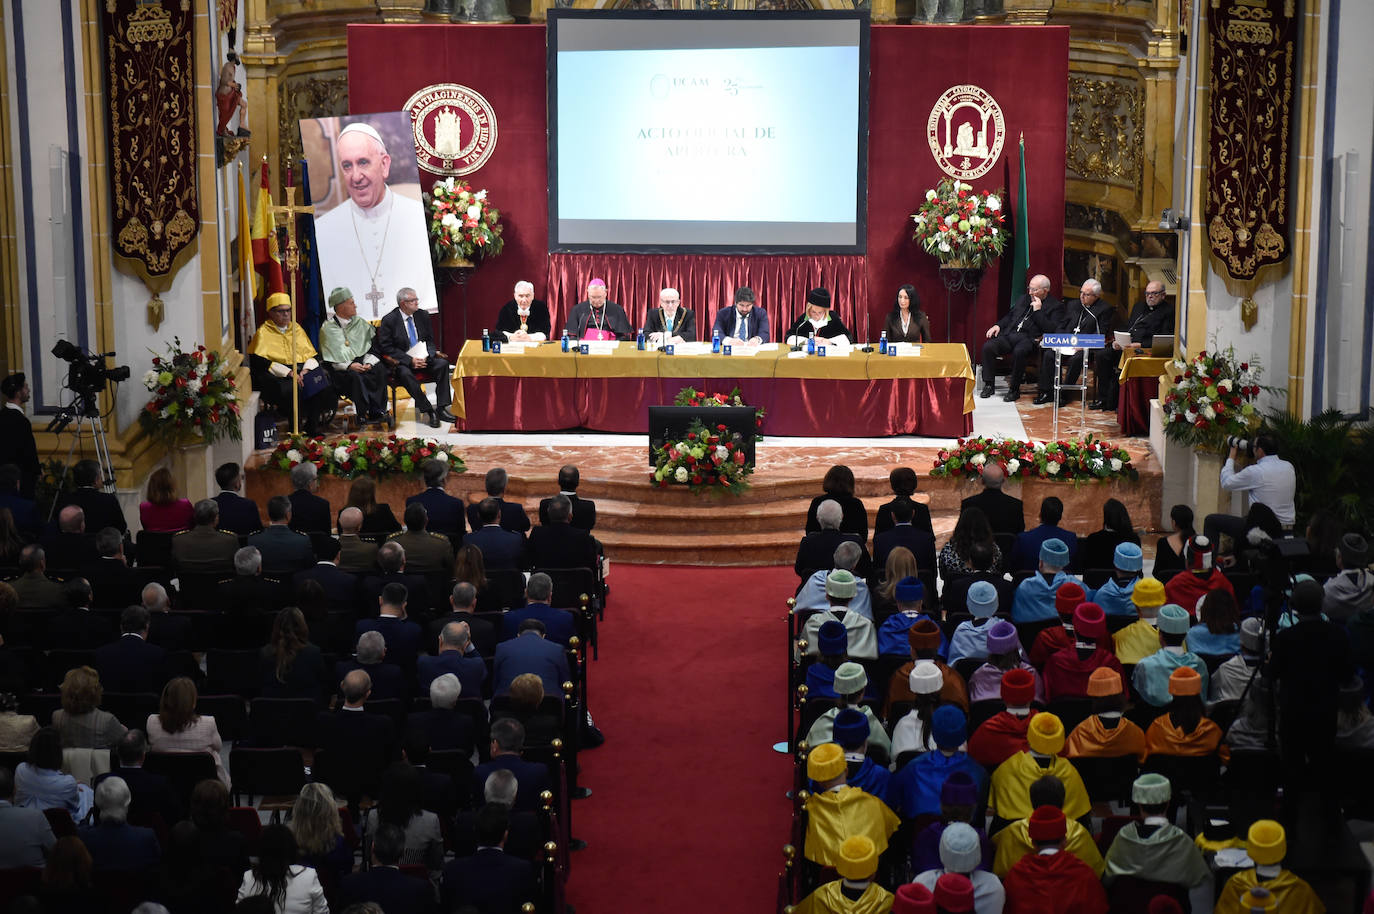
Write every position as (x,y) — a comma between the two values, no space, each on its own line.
(687,790)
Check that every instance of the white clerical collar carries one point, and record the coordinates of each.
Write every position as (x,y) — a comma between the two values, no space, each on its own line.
(1048,851)
(1267,871)
(380,211)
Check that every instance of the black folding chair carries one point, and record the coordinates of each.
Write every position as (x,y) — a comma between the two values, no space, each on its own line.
(275,775)
(184,769)
(282,721)
(132,708)
(230,714)
(233,672)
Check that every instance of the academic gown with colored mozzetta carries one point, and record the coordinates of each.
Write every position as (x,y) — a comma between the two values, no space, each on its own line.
(1092,739)
(1164,738)
(1186,588)
(823,730)
(835,815)
(986,682)
(1114,598)
(1167,854)
(830,899)
(915,790)
(999,738)
(1034,601)
(892,635)
(952,691)
(1136,641)
(1054,884)
(1151,676)
(1066,674)
(1012,780)
(1013,842)
(1048,643)
(870,777)
(1291,894)
(925,848)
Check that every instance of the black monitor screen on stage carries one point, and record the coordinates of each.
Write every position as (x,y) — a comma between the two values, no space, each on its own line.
(707,132)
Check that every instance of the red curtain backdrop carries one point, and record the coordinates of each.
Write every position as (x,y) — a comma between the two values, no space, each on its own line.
(1024,68)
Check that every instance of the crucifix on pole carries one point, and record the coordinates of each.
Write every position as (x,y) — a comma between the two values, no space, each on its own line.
(292,261)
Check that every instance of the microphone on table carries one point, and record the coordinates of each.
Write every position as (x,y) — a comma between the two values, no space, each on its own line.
(865,347)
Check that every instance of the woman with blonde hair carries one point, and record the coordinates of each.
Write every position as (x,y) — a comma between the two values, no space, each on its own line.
(318,828)
(80,721)
(377,516)
(176,727)
(164,512)
(901,563)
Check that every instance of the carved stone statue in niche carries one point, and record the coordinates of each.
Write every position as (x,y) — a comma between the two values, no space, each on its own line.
(229,98)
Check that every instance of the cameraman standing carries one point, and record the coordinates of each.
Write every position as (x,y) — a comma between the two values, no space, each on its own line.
(1270,480)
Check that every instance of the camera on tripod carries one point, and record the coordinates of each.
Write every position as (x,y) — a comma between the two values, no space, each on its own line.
(87,376)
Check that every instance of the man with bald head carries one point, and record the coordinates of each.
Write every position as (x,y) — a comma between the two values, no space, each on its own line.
(455,655)
(356,555)
(524,319)
(69,547)
(1005,514)
(364,742)
(377,241)
(1017,334)
(1150,318)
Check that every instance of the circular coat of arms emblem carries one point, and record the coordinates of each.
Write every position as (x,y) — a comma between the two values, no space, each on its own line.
(455,128)
(966,132)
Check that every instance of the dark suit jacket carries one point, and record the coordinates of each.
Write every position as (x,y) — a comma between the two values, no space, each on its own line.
(1046,320)
(1144,325)
(470,670)
(816,552)
(130,664)
(24,511)
(306,678)
(114,584)
(533,777)
(500,548)
(513,517)
(559,624)
(508,318)
(524,838)
(486,630)
(121,846)
(443,729)
(1099,549)
(284,551)
(684,323)
(367,740)
(340,587)
(854,518)
(920,517)
(561,546)
(170,632)
(388,680)
(17,446)
(68,551)
(393,340)
(529,653)
(728,318)
(102,509)
(444,510)
(152,793)
(80,629)
(237,514)
(389,888)
(309,512)
(1025,556)
(491,881)
(402,638)
(921,544)
(583,512)
(1005,513)
(418,599)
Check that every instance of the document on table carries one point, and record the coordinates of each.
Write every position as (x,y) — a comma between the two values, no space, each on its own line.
(1123,337)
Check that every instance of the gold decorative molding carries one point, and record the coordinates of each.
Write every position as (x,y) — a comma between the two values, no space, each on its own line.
(306,96)
(1106,130)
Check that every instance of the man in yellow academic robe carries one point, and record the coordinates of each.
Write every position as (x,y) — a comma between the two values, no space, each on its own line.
(273,368)
(1010,797)
(1267,844)
(836,811)
(855,892)
(1140,639)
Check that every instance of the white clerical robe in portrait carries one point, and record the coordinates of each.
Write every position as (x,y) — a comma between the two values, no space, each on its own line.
(384,249)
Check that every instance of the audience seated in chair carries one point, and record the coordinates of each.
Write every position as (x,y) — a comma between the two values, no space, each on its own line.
(512,514)
(1025,556)
(1266,844)
(915,788)
(1012,779)
(115,585)
(583,509)
(530,652)
(491,879)
(1115,596)
(813,596)
(384,884)
(558,623)
(152,793)
(970,638)
(1067,670)
(851,682)
(904,532)
(903,482)
(205,549)
(365,742)
(392,569)
(841,588)
(961,853)
(1004,734)
(1155,849)
(1035,596)
(501,548)
(507,742)
(237,515)
(130,663)
(100,508)
(386,680)
(444,727)
(426,553)
(291,666)
(25,835)
(1004,653)
(392,621)
(284,551)
(1188,587)
(837,811)
(816,551)
(455,655)
(1105,733)
(1051,883)
(856,862)
(33,587)
(445,511)
(114,844)
(1153,673)
(177,727)
(838,486)
(309,512)
(1140,639)
(279,875)
(924,640)
(78,626)
(356,555)
(69,547)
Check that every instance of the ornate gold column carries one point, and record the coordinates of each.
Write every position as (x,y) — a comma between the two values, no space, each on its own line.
(9,238)
(1028,12)
(1309,110)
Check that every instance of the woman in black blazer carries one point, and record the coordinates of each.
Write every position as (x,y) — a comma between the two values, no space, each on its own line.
(907,323)
(377,516)
(838,486)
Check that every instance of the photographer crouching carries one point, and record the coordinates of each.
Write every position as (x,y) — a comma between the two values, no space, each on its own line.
(1270,481)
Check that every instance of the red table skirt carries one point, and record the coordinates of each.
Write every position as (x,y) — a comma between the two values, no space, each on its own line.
(1133,405)
(822,407)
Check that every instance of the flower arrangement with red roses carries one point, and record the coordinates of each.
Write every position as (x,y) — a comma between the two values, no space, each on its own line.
(193,393)
(462,222)
(1213,398)
(1072,460)
(961,227)
(362,455)
(690,396)
(705,460)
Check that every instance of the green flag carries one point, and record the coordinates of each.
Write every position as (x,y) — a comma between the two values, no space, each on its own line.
(1020,238)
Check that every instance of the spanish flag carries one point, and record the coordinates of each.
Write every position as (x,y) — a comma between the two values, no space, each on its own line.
(266,252)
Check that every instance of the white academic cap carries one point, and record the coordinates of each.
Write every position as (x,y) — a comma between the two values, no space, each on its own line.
(366,130)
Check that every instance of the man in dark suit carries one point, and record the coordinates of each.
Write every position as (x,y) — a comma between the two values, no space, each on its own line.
(1150,318)
(558,623)
(903,482)
(388,680)
(529,652)
(816,551)
(17,444)
(1025,555)
(583,509)
(463,608)
(167,630)
(114,584)
(513,516)
(457,656)
(1005,514)
(69,547)
(391,565)
(23,510)
(340,587)
(130,663)
(101,508)
(1035,313)
(558,544)
(1090,315)
(445,511)
(384,884)
(402,636)
(490,879)
(507,742)
(284,551)
(426,553)
(904,532)
(356,555)
(500,548)
(114,844)
(366,742)
(525,837)
(236,513)
(443,727)
(400,330)
(743,322)
(77,626)
(152,792)
(33,588)
(249,591)
(205,549)
(309,512)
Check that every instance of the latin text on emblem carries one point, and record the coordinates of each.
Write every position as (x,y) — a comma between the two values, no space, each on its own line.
(966,132)
(455,128)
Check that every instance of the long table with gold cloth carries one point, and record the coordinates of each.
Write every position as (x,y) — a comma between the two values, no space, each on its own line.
(546,389)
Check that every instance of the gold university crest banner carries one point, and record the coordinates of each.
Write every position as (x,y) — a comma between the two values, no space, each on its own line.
(150,85)
(1252,48)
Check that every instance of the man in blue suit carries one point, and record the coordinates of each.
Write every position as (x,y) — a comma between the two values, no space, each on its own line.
(445,511)
(114,844)
(507,742)
(457,656)
(558,623)
(491,879)
(309,512)
(236,513)
(513,516)
(529,652)
(402,636)
(1025,555)
(744,322)
(500,548)
(340,587)
(370,656)
(384,884)
(284,551)
(130,663)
